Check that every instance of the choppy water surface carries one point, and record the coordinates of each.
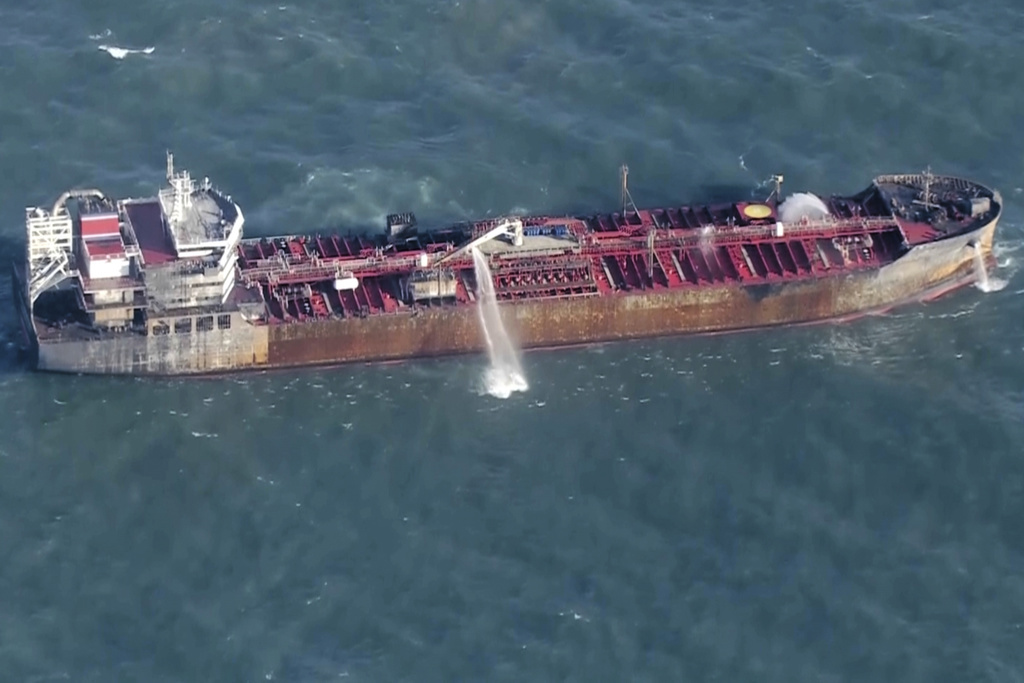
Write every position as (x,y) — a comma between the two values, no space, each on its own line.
(824,503)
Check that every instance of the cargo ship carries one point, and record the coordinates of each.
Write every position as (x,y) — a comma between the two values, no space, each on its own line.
(168,285)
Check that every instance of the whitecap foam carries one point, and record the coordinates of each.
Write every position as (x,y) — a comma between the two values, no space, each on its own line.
(122,52)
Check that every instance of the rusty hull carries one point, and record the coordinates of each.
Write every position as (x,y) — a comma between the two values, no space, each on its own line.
(579,320)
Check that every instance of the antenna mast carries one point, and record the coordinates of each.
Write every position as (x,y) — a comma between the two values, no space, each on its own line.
(928,187)
(624,174)
(777,192)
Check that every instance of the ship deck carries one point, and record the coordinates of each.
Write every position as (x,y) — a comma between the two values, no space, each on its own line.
(146,220)
(610,254)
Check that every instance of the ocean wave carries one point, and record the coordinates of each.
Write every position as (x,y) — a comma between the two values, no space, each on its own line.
(122,52)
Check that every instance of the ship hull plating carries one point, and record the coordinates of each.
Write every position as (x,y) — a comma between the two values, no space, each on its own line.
(924,271)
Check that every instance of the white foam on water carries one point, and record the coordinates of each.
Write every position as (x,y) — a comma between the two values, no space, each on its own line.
(122,52)
(1006,261)
(984,282)
(505,374)
(500,383)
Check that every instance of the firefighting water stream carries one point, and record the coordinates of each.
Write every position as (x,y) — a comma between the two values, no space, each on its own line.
(505,374)
(984,282)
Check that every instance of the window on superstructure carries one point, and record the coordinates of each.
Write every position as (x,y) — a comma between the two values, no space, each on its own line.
(183,326)
(223,322)
(204,324)
(160,329)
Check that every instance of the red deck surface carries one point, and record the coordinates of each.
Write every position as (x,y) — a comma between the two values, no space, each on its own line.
(146,219)
(99,226)
(604,255)
(99,248)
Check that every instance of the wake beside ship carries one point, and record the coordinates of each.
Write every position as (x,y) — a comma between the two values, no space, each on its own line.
(168,285)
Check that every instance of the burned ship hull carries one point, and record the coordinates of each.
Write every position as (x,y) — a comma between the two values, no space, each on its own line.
(660,276)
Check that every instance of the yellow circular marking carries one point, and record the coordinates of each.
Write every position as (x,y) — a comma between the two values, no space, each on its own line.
(756,211)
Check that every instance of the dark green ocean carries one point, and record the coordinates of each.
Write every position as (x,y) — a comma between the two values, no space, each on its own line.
(833,503)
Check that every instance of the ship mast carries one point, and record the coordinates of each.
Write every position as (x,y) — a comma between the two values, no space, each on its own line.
(926,193)
(182,187)
(777,192)
(624,175)
(928,187)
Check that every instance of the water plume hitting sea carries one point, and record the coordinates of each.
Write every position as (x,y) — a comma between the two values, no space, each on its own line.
(505,374)
(984,282)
